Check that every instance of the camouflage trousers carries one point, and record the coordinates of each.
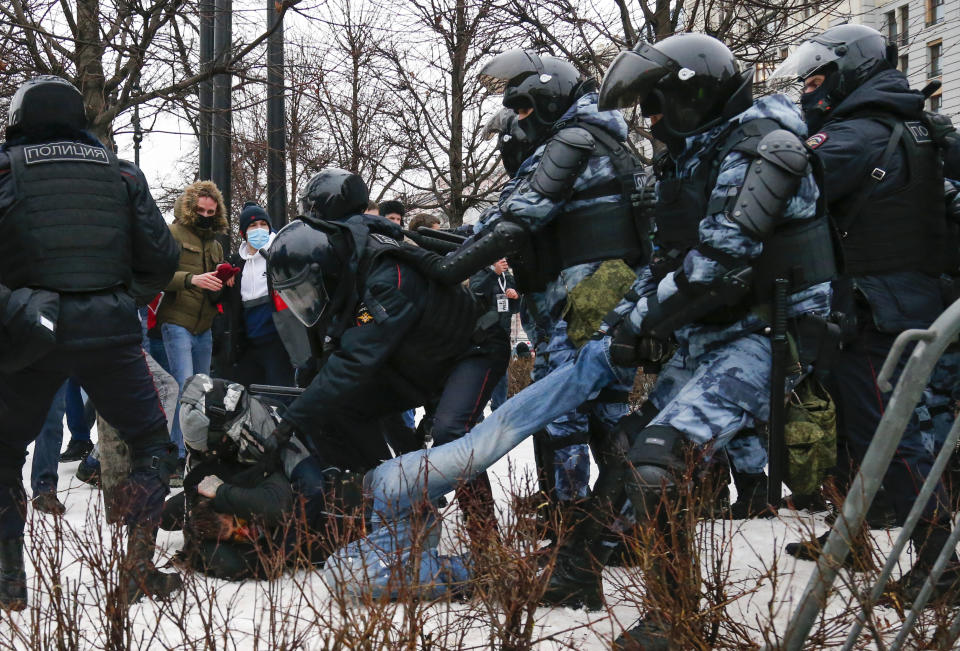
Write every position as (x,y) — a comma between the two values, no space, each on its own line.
(936,408)
(718,394)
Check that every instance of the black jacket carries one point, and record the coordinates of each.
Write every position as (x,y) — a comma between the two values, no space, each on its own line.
(485,284)
(94,320)
(850,145)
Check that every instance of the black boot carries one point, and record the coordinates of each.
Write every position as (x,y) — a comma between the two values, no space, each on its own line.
(141,577)
(859,559)
(577,578)
(13,576)
(646,635)
(751,497)
(928,539)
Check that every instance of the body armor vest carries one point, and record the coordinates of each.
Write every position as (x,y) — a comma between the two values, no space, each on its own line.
(69,228)
(800,251)
(592,232)
(447,326)
(905,228)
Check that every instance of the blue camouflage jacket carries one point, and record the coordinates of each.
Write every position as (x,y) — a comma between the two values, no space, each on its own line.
(717,231)
(525,204)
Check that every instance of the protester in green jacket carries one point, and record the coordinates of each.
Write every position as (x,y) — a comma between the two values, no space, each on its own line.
(189,304)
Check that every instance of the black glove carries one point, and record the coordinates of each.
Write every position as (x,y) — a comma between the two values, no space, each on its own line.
(941,129)
(629,350)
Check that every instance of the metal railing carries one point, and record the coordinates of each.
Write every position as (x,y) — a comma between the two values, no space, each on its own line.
(930,346)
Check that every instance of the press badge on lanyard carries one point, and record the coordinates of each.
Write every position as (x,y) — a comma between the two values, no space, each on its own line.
(503,303)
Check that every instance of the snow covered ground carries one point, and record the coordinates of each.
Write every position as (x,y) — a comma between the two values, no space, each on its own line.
(220,614)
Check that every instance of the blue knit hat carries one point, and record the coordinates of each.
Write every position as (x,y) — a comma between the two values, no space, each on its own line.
(251,212)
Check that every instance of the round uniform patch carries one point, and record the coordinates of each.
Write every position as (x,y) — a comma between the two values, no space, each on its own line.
(816,140)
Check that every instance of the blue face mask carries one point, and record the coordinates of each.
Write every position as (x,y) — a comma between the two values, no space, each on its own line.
(258,237)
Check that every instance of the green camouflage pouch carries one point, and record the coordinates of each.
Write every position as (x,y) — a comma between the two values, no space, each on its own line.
(594,297)
(810,436)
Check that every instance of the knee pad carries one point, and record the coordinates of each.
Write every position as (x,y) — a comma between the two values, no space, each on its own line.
(655,455)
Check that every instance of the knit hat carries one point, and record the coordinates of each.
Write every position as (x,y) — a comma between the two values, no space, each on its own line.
(390,207)
(251,212)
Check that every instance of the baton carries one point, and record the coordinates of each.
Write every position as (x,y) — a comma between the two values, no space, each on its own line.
(778,374)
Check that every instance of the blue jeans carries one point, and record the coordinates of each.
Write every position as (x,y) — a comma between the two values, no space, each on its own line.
(188,354)
(46,447)
(400,485)
(76,416)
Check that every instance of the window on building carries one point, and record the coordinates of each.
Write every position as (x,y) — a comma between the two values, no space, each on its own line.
(934,12)
(904,23)
(935,102)
(934,52)
(904,66)
(891,18)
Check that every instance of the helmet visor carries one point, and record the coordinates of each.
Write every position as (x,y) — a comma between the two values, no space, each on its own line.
(805,61)
(632,77)
(498,71)
(304,293)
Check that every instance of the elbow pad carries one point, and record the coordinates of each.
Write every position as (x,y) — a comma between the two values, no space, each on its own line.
(772,179)
(505,239)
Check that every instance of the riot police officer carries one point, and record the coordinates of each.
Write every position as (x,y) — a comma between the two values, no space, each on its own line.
(571,192)
(400,339)
(80,226)
(884,188)
(741,213)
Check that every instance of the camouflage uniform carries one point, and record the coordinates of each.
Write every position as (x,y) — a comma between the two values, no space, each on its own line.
(523,203)
(716,384)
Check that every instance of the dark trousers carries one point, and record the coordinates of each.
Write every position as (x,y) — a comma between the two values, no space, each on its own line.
(465,394)
(264,363)
(116,379)
(860,406)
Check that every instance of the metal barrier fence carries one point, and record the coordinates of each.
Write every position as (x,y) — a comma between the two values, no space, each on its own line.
(930,346)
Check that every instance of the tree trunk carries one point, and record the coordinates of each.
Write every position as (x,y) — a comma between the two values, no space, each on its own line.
(90,77)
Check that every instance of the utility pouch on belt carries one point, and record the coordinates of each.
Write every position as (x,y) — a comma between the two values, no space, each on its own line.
(810,435)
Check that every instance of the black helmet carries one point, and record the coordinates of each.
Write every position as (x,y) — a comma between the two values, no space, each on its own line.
(847,54)
(693,80)
(511,140)
(335,194)
(304,268)
(546,84)
(47,103)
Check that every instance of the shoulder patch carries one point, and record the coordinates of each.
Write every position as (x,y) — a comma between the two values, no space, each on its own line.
(384,239)
(363,315)
(919,131)
(60,152)
(816,140)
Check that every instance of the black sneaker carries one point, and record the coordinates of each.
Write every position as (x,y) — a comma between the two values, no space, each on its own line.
(76,450)
(47,502)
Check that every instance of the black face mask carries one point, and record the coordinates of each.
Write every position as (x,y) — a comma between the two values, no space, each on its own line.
(535,131)
(675,144)
(205,223)
(816,104)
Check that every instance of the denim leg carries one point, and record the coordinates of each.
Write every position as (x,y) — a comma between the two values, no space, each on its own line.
(400,482)
(571,463)
(178,343)
(202,347)
(369,566)
(158,351)
(46,447)
(499,395)
(76,412)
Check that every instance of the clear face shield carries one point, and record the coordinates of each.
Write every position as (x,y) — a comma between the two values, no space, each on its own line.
(633,76)
(304,293)
(497,73)
(806,60)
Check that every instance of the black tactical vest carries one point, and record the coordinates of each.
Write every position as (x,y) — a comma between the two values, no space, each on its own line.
(903,228)
(799,251)
(69,228)
(587,231)
(447,326)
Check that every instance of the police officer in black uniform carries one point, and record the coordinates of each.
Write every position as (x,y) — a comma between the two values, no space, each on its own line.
(79,227)
(399,338)
(884,189)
